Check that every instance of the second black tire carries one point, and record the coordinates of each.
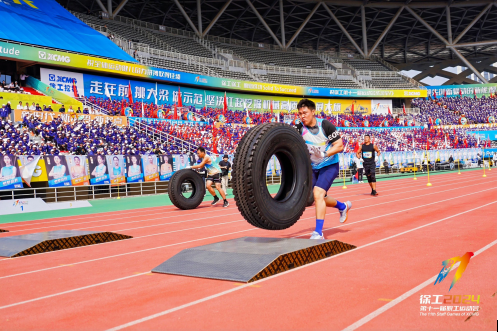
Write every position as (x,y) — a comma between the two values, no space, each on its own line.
(251,194)
(176,187)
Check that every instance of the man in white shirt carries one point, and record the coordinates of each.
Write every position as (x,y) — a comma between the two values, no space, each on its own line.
(20,106)
(32,107)
(359,167)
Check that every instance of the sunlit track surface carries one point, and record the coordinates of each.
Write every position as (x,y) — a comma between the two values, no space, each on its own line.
(402,236)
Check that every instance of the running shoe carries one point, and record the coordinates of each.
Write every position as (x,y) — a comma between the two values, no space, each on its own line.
(216,199)
(374,193)
(316,236)
(344,213)
(225,203)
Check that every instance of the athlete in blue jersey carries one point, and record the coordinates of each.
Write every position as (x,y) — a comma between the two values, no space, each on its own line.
(324,144)
(213,175)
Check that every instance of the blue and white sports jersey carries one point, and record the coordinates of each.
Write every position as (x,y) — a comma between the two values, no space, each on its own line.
(320,138)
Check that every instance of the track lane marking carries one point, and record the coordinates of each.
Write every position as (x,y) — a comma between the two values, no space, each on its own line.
(205,299)
(237,288)
(406,295)
(174,244)
(174,210)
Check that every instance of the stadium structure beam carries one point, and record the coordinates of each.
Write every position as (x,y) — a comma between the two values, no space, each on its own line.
(101,5)
(427,25)
(119,7)
(448,24)
(468,64)
(450,46)
(298,31)
(189,21)
(414,4)
(364,32)
(199,18)
(262,20)
(109,7)
(471,24)
(282,21)
(344,31)
(386,30)
(473,44)
(215,19)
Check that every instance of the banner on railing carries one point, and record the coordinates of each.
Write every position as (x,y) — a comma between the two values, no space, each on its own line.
(402,158)
(10,176)
(58,174)
(117,169)
(134,169)
(121,121)
(149,164)
(98,170)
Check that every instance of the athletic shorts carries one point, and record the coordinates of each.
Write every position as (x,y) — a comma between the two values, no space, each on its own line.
(369,171)
(216,178)
(325,176)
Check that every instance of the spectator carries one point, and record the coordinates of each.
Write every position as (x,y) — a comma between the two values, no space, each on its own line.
(62,109)
(386,166)
(225,168)
(20,106)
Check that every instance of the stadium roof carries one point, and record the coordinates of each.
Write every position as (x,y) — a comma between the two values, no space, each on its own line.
(408,34)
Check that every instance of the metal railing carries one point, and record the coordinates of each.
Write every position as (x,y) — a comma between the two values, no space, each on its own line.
(413,110)
(84,100)
(157,134)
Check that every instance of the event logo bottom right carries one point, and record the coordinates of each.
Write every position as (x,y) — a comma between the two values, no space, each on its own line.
(451,305)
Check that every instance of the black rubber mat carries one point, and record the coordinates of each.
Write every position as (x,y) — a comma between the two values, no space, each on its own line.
(248,259)
(35,243)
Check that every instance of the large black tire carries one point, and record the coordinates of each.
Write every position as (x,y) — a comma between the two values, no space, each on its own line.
(311,199)
(175,189)
(251,195)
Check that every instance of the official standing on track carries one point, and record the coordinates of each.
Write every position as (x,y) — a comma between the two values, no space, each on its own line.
(225,168)
(324,144)
(213,175)
(359,167)
(367,152)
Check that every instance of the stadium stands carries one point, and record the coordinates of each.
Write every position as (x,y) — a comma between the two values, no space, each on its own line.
(255,64)
(451,110)
(49,24)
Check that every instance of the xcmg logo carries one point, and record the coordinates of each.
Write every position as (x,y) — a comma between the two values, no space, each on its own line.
(53,57)
(310,91)
(198,79)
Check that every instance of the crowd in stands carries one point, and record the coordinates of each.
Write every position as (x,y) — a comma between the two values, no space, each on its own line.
(56,137)
(12,87)
(450,110)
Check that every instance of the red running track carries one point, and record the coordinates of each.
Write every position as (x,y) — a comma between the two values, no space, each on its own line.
(402,236)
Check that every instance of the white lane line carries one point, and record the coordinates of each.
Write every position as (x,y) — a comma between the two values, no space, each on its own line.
(169,245)
(362,207)
(71,291)
(114,214)
(161,218)
(388,214)
(141,320)
(406,295)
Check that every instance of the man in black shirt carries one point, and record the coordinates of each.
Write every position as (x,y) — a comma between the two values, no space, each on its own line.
(367,152)
(225,168)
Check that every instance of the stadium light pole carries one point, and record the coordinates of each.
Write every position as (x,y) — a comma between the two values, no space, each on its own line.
(255,11)
(215,19)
